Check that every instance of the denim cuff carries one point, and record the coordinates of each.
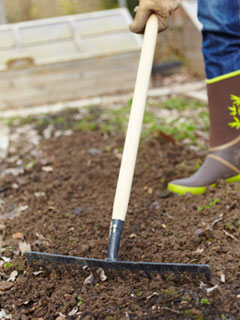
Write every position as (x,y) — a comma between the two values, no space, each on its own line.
(223,77)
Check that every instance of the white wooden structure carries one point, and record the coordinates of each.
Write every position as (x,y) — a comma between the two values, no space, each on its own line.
(3,18)
(67,58)
(190,7)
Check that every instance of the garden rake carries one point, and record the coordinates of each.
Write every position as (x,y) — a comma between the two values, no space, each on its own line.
(125,179)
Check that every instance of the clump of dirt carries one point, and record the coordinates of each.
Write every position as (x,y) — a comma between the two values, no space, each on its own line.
(62,204)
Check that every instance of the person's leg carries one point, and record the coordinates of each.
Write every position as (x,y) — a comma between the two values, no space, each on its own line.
(221,51)
(221,36)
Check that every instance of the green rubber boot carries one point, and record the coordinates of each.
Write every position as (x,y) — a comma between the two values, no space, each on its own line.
(223,160)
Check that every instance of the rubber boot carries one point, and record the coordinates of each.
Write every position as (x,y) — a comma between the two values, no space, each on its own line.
(223,160)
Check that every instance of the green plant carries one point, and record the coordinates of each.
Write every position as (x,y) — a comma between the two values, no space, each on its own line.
(181,104)
(205,301)
(30,164)
(80,301)
(194,314)
(20,266)
(210,205)
(84,125)
(139,294)
(170,291)
(8,265)
(224,317)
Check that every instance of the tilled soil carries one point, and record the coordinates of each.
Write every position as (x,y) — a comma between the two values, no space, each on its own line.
(65,200)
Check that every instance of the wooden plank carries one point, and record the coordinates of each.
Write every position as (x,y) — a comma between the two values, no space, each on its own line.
(86,26)
(6,39)
(4,140)
(105,101)
(45,33)
(67,81)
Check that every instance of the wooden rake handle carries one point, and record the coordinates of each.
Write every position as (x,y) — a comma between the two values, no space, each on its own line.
(129,156)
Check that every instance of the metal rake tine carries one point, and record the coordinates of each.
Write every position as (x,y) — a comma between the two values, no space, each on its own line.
(162,274)
(56,268)
(178,274)
(121,274)
(43,265)
(193,276)
(147,274)
(30,261)
(207,275)
(81,271)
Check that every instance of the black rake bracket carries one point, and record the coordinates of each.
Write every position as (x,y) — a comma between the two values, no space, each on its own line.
(107,264)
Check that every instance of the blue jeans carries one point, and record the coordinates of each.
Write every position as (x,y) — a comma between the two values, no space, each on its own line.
(221,36)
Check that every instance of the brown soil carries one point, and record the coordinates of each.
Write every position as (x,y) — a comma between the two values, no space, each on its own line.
(71,216)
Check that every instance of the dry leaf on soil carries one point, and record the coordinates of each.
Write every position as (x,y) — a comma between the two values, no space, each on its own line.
(102,274)
(18,235)
(73,311)
(13,276)
(4,315)
(36,273)
(89,280)
(229,235)
(24,247)
(208,291)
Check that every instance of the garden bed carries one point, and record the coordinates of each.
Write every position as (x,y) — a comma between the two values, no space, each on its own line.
(57,195)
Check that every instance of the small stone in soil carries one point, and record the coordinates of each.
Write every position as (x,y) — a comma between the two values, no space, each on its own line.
(5,286)
(39,194)
(14,171)
(84,248)
(79,211)
(47,169)
(94,152)
(155,205)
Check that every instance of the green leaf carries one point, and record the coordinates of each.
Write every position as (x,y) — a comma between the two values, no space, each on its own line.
(8,265)
(205,301)
(235,99)
(235,124)
(232,124)
(233,110)
(80,301)
(236,119)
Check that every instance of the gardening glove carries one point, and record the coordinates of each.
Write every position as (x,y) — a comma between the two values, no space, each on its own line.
(161,8)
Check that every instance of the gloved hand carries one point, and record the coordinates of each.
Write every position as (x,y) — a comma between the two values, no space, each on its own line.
(162,9)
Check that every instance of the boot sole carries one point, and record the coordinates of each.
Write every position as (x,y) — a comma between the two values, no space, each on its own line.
(197,190)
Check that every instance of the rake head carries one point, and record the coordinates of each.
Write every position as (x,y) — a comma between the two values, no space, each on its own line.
(107,264)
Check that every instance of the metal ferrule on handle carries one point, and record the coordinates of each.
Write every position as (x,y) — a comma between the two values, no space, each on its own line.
(116,228)
(135,121)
